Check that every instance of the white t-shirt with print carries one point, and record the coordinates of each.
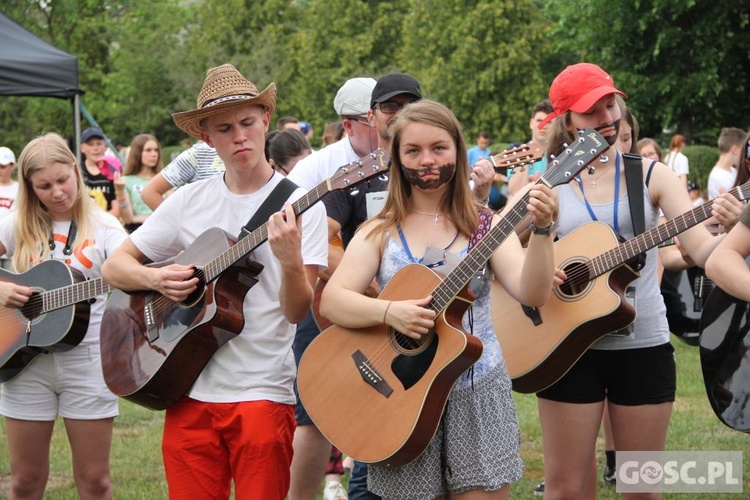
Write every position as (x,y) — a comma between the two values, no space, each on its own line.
(87,257)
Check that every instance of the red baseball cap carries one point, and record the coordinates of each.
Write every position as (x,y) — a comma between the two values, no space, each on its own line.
(577,88)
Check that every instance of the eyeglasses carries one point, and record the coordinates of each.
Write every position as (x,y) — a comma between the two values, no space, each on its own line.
(359,119)
(391,107)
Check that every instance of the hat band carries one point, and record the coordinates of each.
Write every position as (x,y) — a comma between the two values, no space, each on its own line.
(228,98)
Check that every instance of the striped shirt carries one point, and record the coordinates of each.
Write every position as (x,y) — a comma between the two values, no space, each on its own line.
(194,164)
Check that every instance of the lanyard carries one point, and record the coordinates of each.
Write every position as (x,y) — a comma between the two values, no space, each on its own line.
(617,195)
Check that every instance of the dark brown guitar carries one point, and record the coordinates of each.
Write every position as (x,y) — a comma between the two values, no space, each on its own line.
(378,395)
(54,319)
(541,344)
(153,349)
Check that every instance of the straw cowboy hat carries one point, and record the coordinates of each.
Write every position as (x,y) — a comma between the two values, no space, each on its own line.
(224,89)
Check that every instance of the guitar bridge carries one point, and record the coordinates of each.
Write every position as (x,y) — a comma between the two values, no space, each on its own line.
(370,375)
(149,317)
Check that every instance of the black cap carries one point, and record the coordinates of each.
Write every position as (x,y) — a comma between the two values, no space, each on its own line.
(394,84)
(91,132)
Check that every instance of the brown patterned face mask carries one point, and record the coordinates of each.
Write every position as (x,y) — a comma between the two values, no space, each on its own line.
(414,175)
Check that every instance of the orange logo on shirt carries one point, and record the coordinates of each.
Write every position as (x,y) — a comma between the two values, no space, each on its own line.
(77,251)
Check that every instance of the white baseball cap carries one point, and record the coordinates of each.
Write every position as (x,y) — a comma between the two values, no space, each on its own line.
(353,98)
(6,156)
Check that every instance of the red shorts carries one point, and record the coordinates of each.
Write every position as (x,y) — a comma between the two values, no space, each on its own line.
(207,445)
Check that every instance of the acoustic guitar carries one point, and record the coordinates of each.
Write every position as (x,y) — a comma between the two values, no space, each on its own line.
(541,344)
(725,358)
(54,319)
(378,395)
(510,159)
(153,349)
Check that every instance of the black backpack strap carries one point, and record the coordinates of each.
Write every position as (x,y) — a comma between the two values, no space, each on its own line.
(634,180)
(270,205)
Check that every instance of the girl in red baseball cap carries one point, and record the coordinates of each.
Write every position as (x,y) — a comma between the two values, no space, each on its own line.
(632,370)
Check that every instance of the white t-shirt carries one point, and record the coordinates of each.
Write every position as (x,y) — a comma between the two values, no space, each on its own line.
(720,178)
(322,164)
(86,257)
(678,162)
(258,364)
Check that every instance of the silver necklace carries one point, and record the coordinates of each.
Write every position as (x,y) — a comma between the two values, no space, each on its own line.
(436,214)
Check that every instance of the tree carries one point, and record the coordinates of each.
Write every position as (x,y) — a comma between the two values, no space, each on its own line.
(683,63)
(480,58)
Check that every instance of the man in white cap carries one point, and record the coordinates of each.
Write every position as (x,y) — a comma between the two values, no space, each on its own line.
(311,449)
(237,420)
(351,104)
(8,186)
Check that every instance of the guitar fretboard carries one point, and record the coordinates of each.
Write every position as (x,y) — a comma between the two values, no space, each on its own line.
(73,294)
(653,237)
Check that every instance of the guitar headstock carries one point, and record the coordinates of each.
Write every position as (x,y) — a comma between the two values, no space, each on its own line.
(519,157)
(367,167)
(585,149)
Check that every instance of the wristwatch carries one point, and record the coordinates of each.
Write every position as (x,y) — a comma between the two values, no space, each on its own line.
(544,231)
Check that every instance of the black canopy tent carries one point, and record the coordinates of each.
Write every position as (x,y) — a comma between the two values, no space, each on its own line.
(29,66)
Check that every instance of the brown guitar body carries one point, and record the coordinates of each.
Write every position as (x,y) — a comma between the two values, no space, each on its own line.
(154,363)
(377,398)
(539,354)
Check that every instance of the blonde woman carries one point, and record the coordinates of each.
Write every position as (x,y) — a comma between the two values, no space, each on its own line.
(56,219)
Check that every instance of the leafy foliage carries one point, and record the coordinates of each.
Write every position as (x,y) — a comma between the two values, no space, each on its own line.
(683,63)
(702,159)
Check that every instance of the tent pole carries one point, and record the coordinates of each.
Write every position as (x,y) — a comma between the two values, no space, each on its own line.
(77,126)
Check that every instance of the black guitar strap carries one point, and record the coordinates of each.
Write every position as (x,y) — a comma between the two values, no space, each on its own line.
(270,205)
(634,181)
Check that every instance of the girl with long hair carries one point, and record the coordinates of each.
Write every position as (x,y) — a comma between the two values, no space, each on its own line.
(56,219)
(428,218)
(144,162)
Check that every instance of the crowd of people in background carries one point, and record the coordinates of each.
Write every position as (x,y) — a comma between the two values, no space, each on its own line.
(130,205)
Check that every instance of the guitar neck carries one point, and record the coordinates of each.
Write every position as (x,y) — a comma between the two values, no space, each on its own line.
(462,274)
(655,236)
(73,294)
(347,176)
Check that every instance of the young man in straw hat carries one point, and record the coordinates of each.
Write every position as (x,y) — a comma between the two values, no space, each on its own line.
(237,421)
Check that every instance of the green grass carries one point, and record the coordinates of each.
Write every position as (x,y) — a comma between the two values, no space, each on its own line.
(137,471)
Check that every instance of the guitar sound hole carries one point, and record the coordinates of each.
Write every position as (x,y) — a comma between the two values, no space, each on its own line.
(33,307)
(410,346)
(194,297)
(577,279)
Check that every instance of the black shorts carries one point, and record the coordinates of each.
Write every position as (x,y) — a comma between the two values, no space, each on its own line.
(627,377)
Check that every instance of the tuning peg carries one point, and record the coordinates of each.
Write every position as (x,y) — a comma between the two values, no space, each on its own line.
(591,169)
(354,191)
(383,177)
(604,159)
